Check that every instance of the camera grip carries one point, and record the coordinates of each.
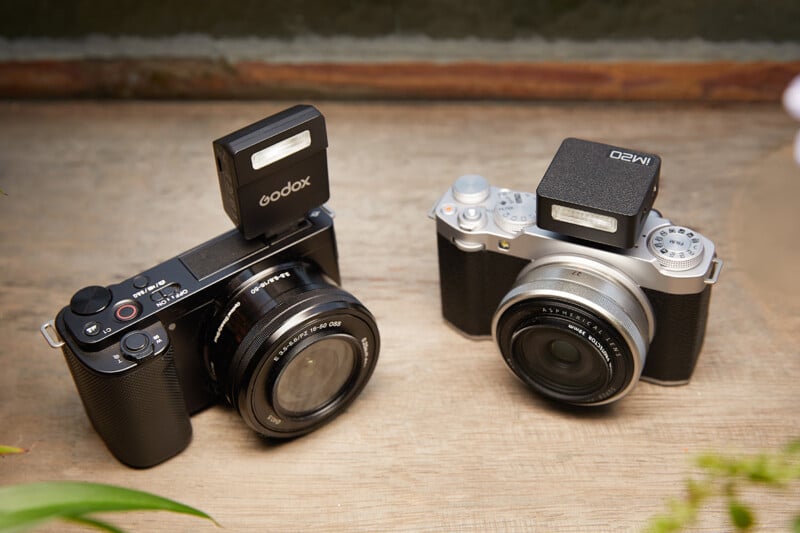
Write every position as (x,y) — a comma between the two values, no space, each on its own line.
(472,285)
(140,413)
(680,330)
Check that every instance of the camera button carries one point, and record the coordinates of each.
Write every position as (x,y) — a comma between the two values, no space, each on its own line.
(472,218)
(136,345)
(126,311)
(91,329)
(448,209)
(140,282)
(90,300)
(471,189)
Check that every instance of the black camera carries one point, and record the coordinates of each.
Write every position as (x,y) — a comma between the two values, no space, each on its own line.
(259,321)
(583,286)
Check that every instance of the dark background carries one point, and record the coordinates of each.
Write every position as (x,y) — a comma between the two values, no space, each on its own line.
(717,20)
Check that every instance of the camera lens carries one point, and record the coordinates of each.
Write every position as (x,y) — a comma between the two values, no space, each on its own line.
(575,330)
(289,349)
(315,376)
(564,352)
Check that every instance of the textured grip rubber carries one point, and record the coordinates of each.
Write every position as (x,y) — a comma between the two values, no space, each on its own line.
(680,330)
(139,413)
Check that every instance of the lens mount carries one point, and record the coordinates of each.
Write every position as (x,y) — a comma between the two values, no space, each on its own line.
(292,353)
(575,330)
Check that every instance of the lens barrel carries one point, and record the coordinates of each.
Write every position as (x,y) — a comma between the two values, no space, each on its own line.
(575,330)
(289,349)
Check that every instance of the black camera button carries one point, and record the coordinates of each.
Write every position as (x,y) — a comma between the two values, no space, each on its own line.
(91,329)
(126,311)
(90,300)
(140,282)
(136,345)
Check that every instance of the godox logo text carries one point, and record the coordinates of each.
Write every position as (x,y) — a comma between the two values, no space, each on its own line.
(630,158)
(283,192)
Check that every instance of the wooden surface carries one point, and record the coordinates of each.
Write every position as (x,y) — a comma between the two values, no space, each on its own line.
(626,80)
(443,438)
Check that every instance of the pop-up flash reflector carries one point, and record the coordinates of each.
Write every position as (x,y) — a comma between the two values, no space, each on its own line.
(570,215)
(278,151)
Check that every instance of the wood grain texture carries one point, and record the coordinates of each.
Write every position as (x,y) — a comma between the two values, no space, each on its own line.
(443,437)
(753,81)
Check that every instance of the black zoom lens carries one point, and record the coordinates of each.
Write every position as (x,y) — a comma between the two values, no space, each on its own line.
(291,350)
(574,334)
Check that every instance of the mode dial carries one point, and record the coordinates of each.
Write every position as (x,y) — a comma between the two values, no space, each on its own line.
(676,247)
(515,211)
(90,300)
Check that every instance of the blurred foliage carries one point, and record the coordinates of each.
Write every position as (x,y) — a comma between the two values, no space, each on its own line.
(28,505)
(724,477)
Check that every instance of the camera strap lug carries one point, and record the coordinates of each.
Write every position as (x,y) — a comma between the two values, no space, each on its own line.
(713,273)
(52,340)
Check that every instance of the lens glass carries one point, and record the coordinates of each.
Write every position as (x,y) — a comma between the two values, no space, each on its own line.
(564,352)
(560,361)
(315,377)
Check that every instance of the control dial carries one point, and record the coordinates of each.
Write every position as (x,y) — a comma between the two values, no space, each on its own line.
(676,247)
(136,345)
(471,189)
(90,300)
(515,211)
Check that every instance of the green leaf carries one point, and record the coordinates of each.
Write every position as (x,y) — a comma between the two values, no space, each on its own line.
(741,516)
(10,450)
(93,522)
(28,504)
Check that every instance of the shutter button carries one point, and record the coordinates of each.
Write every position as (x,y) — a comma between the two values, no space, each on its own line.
(136,345)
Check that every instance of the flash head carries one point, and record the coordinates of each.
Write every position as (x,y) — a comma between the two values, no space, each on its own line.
(597,192)
(272,172)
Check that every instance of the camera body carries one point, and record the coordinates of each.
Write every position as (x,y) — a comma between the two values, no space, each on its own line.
(625,312)
(259,322)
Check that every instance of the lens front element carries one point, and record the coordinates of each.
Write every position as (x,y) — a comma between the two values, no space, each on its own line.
(315,376)
(560,359)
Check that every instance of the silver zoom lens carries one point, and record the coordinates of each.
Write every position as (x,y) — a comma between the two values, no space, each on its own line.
(575,330)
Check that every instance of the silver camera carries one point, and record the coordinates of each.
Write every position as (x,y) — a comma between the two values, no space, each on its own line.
(581,312)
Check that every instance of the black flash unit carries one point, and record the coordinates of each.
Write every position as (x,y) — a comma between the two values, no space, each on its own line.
(273,172)
(597,192)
